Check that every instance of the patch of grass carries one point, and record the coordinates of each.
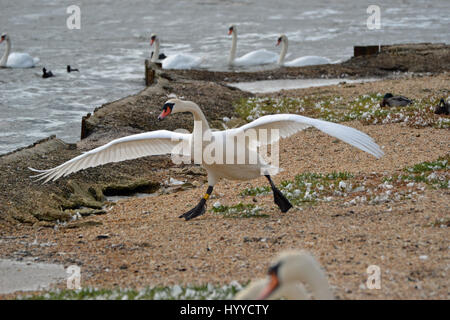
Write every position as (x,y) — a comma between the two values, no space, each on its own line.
(239,210)
(365,108)
(257,191)
(434,173)
(176,292)
(310,187)
(252,108)
(439,164)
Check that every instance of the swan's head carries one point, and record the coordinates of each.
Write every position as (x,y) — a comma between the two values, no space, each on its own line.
(281,38)
(153,38)
(231,29)
(286,269)
(4,37)
(175,106)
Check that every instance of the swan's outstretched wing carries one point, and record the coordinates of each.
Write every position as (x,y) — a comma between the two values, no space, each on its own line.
(289,124)
(131,147)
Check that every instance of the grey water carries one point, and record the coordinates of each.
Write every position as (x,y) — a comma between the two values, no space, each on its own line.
(113,42)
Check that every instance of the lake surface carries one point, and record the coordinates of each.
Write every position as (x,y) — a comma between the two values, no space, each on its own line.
(113,42)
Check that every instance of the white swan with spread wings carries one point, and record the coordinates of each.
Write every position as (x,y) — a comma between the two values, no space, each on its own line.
(245,163)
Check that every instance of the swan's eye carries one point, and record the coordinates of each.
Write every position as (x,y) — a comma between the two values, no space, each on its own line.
(274,268)
(279,39)
(168,105)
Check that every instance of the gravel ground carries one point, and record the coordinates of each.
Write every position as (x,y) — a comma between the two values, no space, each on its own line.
(142,242)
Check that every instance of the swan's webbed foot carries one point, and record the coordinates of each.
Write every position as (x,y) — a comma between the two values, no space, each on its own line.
(200,208)
(280,200)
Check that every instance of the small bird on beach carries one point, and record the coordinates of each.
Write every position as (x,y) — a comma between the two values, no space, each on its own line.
(394,101)
(46,74)
(246,163)
(286,279)
(442,108)
(69,69)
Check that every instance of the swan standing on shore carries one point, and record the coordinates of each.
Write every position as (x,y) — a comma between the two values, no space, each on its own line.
(176,61)
(299,62)
(203,140)
(15,59)
(253,58)
(286,279)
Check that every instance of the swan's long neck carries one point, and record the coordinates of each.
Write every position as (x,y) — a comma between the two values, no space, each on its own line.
(5,56)
(233,48)
(155,56)
(199,117)
(312,274)
(284,48)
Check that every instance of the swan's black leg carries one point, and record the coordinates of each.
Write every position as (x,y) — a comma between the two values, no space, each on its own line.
(278,197)
(200,208)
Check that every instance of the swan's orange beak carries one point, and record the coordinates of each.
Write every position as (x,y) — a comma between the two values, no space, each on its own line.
(273,284)
(164,113)
(278,42)
(151,41)
(230,31)
(1,39)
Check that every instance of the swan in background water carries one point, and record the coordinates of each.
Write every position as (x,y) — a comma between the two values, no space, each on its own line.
(246,164)
(302,61)
(15,59)
(155,55)
(286,279)
(176,61)
(253,58)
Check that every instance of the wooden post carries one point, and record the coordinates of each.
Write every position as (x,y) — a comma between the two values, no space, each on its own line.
(149,73)
(84,130)
(365,50)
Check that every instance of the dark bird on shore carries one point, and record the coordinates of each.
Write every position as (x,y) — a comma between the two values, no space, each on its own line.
(394,101)
(69,69)
(442,108)
(46,74)
(162,56)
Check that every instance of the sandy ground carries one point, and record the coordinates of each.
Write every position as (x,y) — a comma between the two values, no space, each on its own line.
(142,242)
(147,244)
